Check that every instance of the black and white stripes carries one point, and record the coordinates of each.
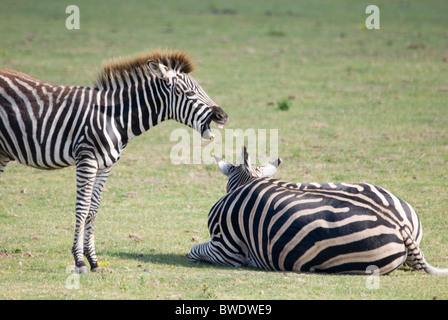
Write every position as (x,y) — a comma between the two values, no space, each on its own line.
(321,227)
(51,126)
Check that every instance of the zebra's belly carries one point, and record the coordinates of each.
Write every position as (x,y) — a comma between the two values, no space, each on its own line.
(57,155)
(321,237)
(347,245)
(41,157)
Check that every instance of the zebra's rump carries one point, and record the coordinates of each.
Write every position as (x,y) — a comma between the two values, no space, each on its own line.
(37,120)
(313,227)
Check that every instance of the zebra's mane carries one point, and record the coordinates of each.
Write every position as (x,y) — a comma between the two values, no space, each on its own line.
(122,67)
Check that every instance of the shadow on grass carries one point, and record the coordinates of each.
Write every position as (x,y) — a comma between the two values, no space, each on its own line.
(172,259)
(182,260)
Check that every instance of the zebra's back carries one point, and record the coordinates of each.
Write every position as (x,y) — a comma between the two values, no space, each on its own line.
(333,228)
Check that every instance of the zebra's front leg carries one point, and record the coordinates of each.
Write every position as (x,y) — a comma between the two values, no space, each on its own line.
(89,233)
(201,252)
(86,171)
(213,252)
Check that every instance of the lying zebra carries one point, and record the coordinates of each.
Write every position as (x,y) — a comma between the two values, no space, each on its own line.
(331,227)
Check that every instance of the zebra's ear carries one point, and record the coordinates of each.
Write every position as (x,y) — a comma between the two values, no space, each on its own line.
(245,158)
(159,70)
(223,165)
(268,169)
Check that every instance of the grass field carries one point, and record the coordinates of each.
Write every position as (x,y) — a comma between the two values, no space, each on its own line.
(365,106)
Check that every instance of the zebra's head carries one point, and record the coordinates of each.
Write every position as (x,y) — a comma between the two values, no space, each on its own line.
(241,174)
(189,104)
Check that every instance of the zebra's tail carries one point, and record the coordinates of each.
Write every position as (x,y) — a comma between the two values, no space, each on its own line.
(415,258)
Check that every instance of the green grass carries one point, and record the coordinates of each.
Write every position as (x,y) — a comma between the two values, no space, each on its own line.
(365,105)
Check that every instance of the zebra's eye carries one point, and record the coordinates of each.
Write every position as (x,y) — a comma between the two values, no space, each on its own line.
(191,94)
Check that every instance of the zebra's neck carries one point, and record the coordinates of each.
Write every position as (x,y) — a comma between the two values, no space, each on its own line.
(238,178)
(135,104)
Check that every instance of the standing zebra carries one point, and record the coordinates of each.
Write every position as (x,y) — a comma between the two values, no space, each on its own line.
(49,126)
(331,227)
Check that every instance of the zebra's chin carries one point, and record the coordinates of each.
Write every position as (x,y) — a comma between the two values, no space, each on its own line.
(207,134)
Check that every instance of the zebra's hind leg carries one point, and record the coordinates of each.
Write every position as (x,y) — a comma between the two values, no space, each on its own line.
(89,236)
(3,162)
(86,171)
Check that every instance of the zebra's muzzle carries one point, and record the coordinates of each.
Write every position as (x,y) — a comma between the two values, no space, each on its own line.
(219,116)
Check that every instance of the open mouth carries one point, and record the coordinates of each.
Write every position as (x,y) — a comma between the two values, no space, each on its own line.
(207,132)
(219,117)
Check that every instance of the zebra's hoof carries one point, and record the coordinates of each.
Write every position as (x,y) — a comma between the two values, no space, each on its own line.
(96,269)
(81,270)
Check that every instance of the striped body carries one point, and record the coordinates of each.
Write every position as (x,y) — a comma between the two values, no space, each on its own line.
(331,227)
(56,122)
(49,126)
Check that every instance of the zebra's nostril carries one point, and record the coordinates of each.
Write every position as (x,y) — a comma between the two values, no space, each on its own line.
(219,115)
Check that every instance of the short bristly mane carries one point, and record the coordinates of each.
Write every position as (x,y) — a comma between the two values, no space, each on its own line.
(119,68)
